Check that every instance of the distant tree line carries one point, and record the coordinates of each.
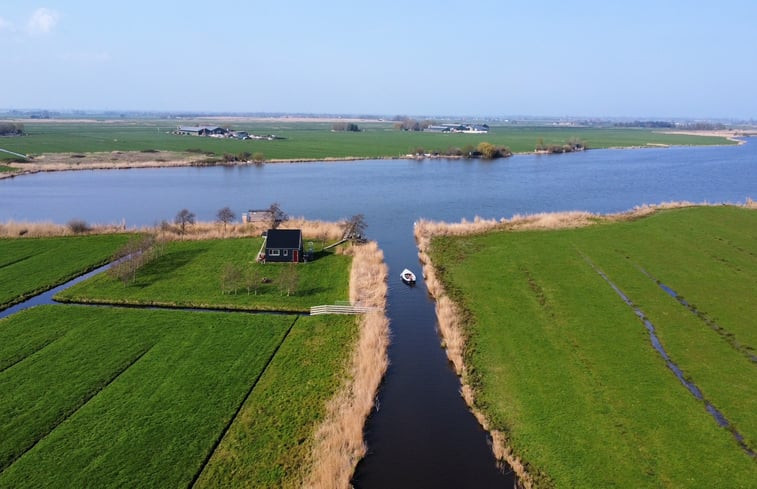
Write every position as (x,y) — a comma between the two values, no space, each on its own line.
(703,126)
(11,129)
(571,145)
(407,124)
(345,126)
(691,126)
(646,124)
(484,150)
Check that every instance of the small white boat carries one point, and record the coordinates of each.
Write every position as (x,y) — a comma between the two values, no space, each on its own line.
(407,276)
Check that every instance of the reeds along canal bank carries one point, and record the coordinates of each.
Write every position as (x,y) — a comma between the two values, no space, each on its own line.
(339,443)
(562,372)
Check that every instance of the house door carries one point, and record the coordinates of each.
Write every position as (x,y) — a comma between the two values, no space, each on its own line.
(295,256)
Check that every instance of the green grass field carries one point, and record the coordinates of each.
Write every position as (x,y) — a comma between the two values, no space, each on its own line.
(109,397)
(29,266)
(563,366)
(189,275)
(313,140)
(269,440)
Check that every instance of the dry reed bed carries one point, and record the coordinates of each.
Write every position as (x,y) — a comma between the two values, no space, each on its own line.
(450,317)
(321,230)
(339,441)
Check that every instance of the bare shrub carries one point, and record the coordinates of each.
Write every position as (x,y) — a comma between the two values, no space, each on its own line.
(78,226)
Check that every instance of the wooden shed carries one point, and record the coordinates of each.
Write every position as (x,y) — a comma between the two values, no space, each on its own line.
(283,245)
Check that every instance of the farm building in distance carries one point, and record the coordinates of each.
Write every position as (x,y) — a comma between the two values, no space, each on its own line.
(257,215)
(460,128)
(201,131)
(284,245)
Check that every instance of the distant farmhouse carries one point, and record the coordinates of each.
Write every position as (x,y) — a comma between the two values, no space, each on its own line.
(201,131)
(284,245)
(220,132)
(459,128)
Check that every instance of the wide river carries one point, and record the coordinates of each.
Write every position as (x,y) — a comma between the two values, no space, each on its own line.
(421,434)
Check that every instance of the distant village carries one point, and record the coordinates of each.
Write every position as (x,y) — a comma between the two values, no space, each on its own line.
(221,133)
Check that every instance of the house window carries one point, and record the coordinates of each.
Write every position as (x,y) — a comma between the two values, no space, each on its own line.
(286,252)
(273,252)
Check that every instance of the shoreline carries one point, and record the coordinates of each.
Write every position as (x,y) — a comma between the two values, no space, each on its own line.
(32,168)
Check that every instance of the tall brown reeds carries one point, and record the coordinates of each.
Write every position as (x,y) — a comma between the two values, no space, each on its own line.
(40,229)
(339,441)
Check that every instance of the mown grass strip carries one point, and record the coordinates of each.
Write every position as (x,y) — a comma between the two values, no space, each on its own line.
(154,425)
(34,265)
(225,430)
(48,387)
(270,438)
(563,368)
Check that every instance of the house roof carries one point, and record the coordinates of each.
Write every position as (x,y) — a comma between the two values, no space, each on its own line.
(283,238)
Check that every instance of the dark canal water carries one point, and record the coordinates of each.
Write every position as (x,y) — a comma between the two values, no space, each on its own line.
(421,435)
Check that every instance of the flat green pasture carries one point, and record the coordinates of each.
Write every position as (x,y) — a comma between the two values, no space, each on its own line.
(271,437)
(29,266)
(106,397)
(189,275)
(312,140)
(564,367)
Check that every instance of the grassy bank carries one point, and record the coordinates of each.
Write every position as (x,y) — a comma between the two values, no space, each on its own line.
(30,266)
(188,274)
(565,371)
(306,140)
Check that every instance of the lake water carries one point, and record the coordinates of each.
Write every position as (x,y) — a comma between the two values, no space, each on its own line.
(421,435)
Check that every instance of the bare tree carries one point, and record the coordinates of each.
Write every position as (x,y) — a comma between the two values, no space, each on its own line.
(225,215)
(231,278)
(355,227)
(183,218)
(132,256)
(277,215)
(288,279)
(252,280)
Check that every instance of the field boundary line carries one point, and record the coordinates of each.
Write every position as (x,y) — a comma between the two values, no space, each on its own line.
(34,352)
(19,260)
(84,402)
(226,428)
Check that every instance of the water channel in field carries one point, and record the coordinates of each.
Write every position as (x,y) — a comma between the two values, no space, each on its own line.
(421,433)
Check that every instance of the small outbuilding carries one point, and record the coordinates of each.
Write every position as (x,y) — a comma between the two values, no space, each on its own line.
(283,245)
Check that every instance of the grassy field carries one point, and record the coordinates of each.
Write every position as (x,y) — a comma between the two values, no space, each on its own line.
(312,140)
(189,275)
(31,265)
(107,397)
(563,366)
(269,442)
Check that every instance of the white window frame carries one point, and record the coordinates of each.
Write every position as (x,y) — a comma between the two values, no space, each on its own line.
(274,252)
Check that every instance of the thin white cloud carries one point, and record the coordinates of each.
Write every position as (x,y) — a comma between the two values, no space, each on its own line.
(42,21)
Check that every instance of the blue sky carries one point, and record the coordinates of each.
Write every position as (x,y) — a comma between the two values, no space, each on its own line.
(581,58)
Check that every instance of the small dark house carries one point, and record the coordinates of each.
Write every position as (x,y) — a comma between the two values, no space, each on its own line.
(283,245)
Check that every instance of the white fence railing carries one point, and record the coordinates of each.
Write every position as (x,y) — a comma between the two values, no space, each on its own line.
(340,309)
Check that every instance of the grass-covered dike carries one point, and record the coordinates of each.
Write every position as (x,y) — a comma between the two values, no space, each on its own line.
(562,371)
